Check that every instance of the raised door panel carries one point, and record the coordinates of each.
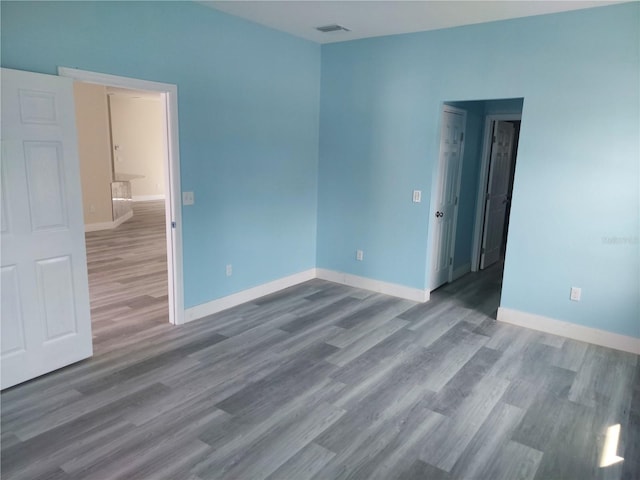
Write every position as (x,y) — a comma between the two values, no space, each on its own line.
(13,334)
(56,297)
(46,185)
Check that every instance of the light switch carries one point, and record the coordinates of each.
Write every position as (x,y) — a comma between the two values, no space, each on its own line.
(576,293)
(187,198)
(417,196)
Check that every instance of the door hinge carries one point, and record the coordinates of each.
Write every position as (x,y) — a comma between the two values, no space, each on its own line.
(494,139)
(461,136)
(450,260)
(456,201)
(482,250)
(173,224)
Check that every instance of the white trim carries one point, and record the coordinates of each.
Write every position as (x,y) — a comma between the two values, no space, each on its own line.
(173,194)
(94,227)
(461,271)
(483,178)
(570,330)
(224,303)
(147,198)
(393,289)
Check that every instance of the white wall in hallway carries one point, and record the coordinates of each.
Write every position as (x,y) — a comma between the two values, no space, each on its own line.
(138,141)
(94,149)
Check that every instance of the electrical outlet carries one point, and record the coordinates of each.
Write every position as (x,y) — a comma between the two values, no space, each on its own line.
(229,270)
(417,196)
(359,255)
(576,293)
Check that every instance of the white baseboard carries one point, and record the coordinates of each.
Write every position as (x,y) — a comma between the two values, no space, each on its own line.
(224,303)
(570,330)
(94,227)
(146,198)
(461,271)
(393,289)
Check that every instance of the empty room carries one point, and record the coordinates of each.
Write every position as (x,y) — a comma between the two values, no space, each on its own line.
(402,242)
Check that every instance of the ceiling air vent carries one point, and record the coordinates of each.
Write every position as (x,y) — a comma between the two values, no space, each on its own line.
(332,28)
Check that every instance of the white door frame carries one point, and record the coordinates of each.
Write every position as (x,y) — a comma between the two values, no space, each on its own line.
(459,111)
(482,182)
(173,212)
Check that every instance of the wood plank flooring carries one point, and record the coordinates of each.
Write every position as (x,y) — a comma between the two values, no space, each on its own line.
(128,276)
(323,381)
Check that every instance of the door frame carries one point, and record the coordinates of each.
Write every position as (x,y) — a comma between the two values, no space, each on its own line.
(173,206)
(483,178)
(459,111)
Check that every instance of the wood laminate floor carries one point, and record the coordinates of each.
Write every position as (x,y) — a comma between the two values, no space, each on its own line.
(323,381)
(128,276)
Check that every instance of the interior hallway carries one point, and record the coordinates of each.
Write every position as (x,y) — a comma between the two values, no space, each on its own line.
(128,276)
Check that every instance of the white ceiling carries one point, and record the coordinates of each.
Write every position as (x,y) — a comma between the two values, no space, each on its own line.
(377,18)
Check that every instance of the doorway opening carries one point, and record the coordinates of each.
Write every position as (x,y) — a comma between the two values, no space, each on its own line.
(495,189)
(142,270)
(481,191)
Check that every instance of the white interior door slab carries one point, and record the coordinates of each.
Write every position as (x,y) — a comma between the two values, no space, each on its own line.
(448,183)
(497,197)
(46,321)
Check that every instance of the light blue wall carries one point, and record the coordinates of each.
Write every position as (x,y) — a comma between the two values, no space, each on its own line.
(248,106)
(249,100)
(578,166)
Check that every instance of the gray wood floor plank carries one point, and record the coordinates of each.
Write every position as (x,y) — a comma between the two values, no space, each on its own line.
(392,369)
(351,335)
(388,446)
(365,342)
(461,385)
(382,305)
(271,451)
(169,462)
(78,417)
(449,442)
(142,446)
(420,470)
(304,464)
(234,437)
(16,462)
(327,314)
(514,462)
(571,451)
(488,443)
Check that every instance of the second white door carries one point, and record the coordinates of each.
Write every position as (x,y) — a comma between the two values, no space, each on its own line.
(497,197)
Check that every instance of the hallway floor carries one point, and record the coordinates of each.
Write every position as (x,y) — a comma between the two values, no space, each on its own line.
(128,276)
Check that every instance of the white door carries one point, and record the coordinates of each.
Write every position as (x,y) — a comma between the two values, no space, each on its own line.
(448,184)
(497,197)
(46,322)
